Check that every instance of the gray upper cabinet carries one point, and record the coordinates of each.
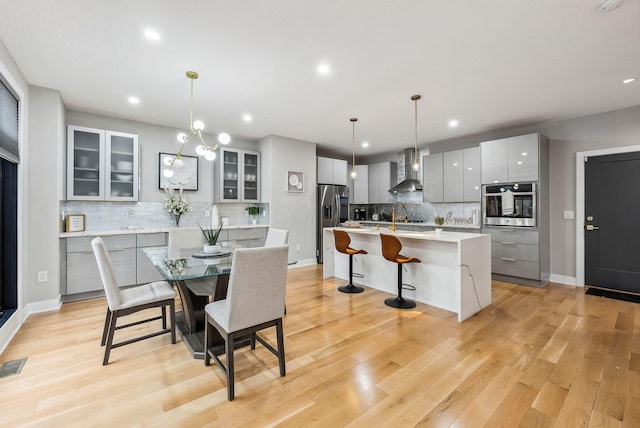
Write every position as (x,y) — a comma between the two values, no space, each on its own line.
(382,177)
(510,159)
(332,171)
(471,175)
(239,176)
(101,165)
(432,176)
(453,175)
(359,186)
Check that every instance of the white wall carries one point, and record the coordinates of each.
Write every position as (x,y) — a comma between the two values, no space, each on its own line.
(295,212)
(46,141)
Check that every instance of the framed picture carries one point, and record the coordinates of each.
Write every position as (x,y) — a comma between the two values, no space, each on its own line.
(184,176)
(75,223)
(295,181)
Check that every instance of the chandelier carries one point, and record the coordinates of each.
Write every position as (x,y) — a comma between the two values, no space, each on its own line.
(353,142)
(195,130)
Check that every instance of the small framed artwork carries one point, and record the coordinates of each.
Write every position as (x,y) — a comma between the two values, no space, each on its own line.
(295,181)
(75,223)
(185,175)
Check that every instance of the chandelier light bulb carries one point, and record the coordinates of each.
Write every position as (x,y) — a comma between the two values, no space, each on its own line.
(224,138)
(353,174)
(416,165)
(182,137)
(167,161)
(209,155)
(178,163)
(200,150)
(198,125)
(167,173)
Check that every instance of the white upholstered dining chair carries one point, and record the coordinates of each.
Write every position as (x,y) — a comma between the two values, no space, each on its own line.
(255,301)
(184,237)
(276,237)
(122,302)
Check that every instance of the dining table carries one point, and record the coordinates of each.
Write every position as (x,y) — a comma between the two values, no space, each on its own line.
(199,278)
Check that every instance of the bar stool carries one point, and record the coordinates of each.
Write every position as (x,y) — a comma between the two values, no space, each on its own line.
(391,248)
(343,240)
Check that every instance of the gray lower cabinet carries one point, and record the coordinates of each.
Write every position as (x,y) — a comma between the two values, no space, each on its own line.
(515,253)
(82,269)
(249,237)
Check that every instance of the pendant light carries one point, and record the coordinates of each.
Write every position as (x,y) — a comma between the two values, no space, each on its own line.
(416,159)
(195,128)
(353,140)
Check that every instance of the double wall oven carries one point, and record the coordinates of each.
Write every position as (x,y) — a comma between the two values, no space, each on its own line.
(511,204)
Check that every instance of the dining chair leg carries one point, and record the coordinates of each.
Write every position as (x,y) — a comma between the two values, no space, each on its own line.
(112,330)
(230,367)
(164,317)
(280,338)
(208,336)
(252,343)
(172,312)
(107,320)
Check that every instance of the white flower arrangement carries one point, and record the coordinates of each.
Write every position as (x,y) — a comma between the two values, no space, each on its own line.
(175,203)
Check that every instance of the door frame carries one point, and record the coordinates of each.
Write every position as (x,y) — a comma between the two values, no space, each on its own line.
(579,219)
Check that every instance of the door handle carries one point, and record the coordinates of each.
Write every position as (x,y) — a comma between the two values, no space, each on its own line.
(591,227)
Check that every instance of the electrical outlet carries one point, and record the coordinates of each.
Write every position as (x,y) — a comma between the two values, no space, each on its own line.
(298,247)
(567,215)
(43,276)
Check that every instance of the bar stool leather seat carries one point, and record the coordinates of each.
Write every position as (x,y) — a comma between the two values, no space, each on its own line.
(342,240)
(391,247)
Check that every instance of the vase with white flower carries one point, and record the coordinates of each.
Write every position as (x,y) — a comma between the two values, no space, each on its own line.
(176,204)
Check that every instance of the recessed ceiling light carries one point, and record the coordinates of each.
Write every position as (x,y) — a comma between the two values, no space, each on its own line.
(152,34)
(629,80)
(247,118)
(365,144)
(324,69)
(519,162)
(453,123)
(134,100)
(524,153)
(455,164)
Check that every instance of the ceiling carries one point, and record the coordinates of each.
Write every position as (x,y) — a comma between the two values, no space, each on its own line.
(491,64)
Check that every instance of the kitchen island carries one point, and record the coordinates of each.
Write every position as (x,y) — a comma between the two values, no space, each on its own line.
(455,273)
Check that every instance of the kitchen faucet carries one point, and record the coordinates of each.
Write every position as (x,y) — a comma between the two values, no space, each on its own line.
(393,215)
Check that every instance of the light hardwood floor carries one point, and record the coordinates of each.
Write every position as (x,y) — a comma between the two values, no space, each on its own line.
(535,357)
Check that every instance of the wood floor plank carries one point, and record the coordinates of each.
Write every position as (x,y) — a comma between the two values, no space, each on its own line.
(536,357)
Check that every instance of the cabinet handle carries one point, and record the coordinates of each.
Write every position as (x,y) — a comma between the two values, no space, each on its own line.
(108,251)
(507,259)
(508,243)
(508,230)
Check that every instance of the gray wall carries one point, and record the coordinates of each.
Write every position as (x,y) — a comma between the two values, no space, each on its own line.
(294,212)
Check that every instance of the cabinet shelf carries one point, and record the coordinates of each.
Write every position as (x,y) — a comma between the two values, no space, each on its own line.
(235,169)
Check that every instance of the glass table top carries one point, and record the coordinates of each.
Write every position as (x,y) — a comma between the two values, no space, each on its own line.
(185,266)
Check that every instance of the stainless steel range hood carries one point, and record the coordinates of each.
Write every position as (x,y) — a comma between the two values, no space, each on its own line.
(410,182)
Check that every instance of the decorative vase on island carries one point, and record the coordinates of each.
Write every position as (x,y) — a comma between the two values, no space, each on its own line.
(176,217)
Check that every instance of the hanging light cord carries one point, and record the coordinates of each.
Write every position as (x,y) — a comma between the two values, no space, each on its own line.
(353,139)
(416,161)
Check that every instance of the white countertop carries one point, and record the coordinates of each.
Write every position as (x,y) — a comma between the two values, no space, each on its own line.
(422,224)
(444,236)
(145,230)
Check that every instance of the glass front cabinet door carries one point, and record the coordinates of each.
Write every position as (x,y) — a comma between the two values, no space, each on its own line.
(101,165)
(239,176)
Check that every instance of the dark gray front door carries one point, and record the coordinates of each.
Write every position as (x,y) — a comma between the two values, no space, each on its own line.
(612,221)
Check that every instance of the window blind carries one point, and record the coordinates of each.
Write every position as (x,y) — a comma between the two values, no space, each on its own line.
(9,123)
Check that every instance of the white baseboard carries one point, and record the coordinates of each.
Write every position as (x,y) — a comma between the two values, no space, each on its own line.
(42,306)
(561,279)
(303,263)
(9,329)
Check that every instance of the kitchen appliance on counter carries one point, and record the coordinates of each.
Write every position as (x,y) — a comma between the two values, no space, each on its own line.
(332,209)
(509,205)
(360,213)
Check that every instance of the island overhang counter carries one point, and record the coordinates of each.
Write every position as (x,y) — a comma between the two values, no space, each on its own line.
(455,272)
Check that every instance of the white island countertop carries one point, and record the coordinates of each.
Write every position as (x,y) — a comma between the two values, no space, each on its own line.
(146,230)
(454,273)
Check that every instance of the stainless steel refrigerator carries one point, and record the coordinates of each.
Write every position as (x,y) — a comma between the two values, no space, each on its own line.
(332,209)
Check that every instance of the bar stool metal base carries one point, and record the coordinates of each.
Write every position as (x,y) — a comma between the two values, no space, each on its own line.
(400,303)
(350,288)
